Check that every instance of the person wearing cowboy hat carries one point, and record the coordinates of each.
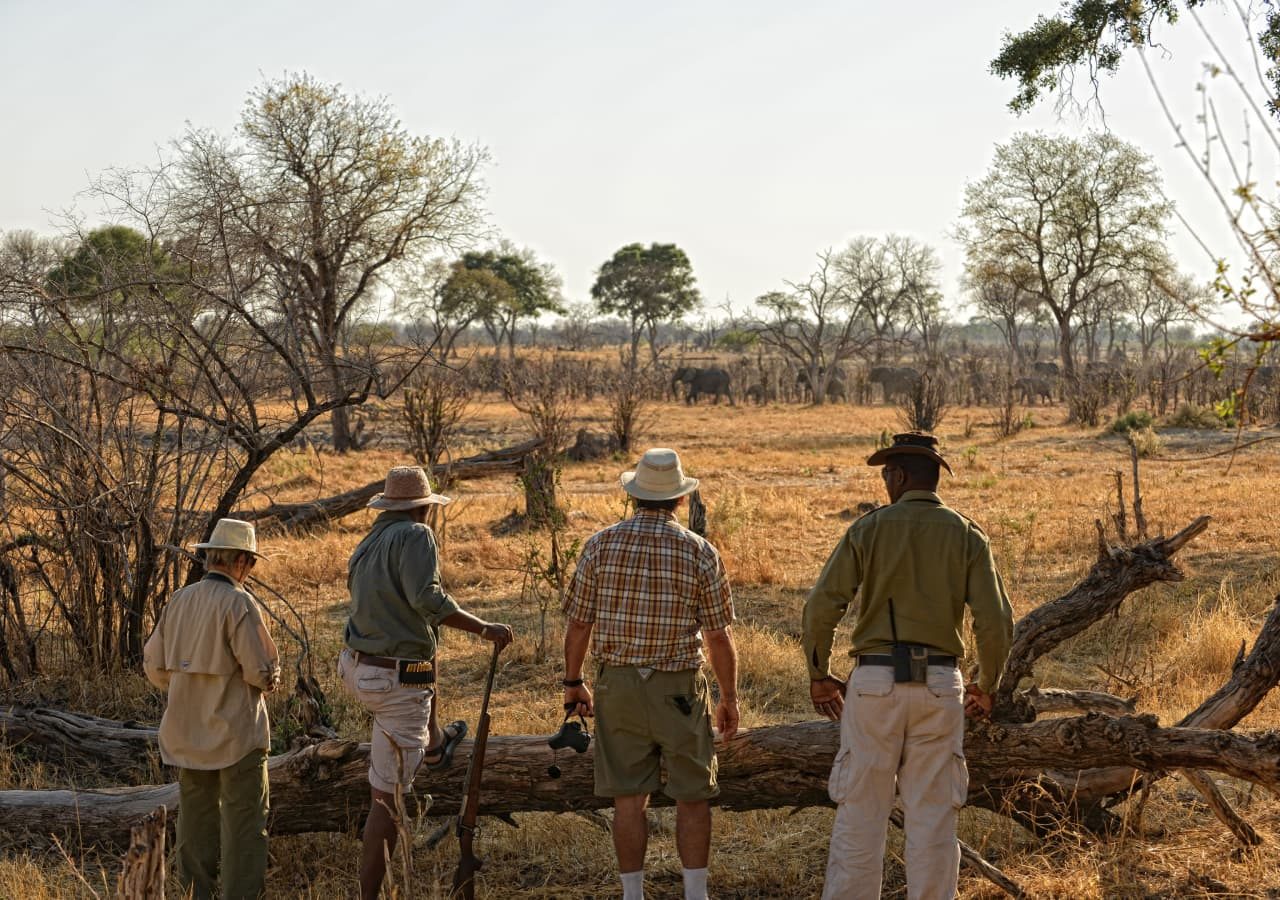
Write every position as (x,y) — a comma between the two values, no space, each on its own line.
(397,605)
(645,595)
(912,567)
(211,652)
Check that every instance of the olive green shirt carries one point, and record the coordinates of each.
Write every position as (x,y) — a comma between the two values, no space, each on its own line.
(931,561)
(397,602)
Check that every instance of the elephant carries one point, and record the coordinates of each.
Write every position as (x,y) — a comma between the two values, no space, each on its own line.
(759,393)
(836,388)
(1035,389)
(1046,369)
(897,382)
(713,381)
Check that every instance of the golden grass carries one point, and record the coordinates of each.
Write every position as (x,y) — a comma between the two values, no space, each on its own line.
(782,484)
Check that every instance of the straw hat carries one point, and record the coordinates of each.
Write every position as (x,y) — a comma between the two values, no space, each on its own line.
(233,534)
(658,476)
(910,443)
(407,487)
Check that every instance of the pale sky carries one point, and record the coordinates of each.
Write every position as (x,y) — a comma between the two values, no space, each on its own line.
(752,134)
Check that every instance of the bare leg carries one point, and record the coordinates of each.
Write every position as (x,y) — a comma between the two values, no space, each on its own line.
(379,830)
(630,831)
(693,833)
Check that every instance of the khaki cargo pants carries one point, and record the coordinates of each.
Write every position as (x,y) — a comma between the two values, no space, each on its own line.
(911,736)
(222,819)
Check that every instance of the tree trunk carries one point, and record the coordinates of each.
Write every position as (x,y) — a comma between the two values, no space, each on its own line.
(325,788)
(142,875)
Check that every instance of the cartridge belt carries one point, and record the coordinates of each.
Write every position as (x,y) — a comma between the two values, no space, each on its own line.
(411,671)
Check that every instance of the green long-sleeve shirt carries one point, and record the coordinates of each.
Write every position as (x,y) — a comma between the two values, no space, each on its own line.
(931,561)
(396,598)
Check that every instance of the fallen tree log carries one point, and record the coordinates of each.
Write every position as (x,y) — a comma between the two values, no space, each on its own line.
(324,787)
(506,461)
(71,738)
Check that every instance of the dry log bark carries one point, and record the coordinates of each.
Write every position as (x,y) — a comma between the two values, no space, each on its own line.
(142,875)
(1118,572)
(324,787)
(508,460)
(72,738)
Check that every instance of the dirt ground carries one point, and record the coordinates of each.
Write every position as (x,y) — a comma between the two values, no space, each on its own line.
(782,483)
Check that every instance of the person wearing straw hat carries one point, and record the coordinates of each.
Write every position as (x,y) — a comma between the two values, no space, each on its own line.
(912,566)
(645,596)
(397,606)
(211,652)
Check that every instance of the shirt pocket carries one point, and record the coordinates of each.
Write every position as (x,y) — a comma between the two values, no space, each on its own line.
(872,681)
(944,682)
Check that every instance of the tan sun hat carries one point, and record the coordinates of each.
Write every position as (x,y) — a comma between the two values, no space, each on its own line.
(233,534)
(407,487)
(658,476)
(910,443)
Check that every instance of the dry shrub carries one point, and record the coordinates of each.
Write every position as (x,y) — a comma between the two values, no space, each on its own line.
(1199,657)
(772,677)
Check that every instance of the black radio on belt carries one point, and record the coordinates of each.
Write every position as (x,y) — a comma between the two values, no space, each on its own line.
(910,661)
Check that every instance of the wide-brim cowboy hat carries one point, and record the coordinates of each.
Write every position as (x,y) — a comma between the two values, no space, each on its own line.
(658,476)
(407,487)
(233,534)
(910,443)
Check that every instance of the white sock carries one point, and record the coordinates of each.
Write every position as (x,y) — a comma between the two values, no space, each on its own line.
(633,885)
(695,884)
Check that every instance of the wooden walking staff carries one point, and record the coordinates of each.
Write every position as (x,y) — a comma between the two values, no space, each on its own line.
(464,885)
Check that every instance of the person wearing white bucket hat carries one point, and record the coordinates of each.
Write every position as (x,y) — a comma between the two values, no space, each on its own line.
(645,595)
(212,653)
(397,606)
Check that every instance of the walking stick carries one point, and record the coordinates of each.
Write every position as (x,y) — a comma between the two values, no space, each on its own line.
(468,863)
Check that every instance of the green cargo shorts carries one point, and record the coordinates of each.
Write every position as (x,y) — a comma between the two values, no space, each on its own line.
(643,725)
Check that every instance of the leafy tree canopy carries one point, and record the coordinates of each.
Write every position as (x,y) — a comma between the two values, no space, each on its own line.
(1095,35)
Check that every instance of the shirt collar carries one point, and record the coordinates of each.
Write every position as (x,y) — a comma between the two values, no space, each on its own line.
(656,514)
(219,576)
(923,496)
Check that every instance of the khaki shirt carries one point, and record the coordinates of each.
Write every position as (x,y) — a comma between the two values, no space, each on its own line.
(649,586)
(932,562)
(211,651)
(397,602)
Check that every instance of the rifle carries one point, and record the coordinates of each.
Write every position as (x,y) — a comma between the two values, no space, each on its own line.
(468,863)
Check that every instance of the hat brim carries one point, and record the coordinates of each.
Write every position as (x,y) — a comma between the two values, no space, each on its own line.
(687,486)
(883,455)
(381,502)
(225,547)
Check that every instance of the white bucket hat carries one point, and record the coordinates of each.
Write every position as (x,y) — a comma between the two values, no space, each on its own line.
(658,476)
(233,534)
(407,487)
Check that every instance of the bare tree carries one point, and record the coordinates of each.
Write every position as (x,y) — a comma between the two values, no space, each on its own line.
(892,283)
(1068,219)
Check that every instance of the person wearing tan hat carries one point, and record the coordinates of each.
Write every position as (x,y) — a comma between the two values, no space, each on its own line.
(645,595)
(211,652)
(397,606)
(912,567)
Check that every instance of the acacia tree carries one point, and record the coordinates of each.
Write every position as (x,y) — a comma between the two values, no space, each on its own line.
(646,286)
(1066,220)
(319,200)
(533,288)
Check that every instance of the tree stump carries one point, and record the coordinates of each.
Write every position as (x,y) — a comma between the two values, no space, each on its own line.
(142,876)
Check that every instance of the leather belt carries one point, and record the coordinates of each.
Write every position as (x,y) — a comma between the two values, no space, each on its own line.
(411,671)
(876,659)
(378,662)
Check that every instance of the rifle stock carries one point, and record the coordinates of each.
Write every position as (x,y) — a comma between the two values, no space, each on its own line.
(464,885)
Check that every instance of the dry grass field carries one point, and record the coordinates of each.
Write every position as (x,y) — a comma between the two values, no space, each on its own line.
(782,484)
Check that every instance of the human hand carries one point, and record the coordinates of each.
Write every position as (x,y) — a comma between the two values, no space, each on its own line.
(827,695)
(577,701)
(498,634)
(727,717)
(977,702)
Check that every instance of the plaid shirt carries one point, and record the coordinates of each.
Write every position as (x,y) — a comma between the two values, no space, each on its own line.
(649,585)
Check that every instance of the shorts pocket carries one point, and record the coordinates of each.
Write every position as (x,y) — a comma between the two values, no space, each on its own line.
(838,783)
(959,780)
(944,682)
(872,681)
(373,683)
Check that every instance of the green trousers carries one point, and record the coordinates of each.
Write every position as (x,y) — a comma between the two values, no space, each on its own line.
(222,817)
